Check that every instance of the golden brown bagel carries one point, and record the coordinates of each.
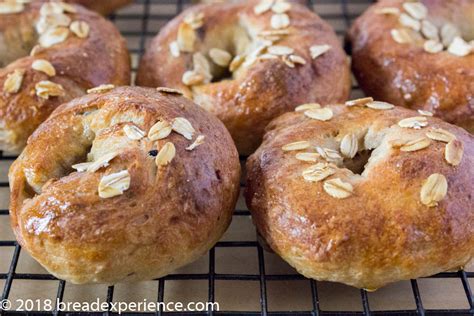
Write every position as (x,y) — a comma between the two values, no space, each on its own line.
(413,74)
(35,79)
(389,220)
(167,217)
(262,85)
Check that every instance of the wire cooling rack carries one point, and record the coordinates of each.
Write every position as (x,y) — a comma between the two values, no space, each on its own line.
(252,284)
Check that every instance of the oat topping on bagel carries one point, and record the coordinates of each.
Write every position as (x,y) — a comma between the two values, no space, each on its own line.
(248,62)
(375,194)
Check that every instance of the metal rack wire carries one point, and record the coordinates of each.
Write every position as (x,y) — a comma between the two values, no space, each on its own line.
(144,17)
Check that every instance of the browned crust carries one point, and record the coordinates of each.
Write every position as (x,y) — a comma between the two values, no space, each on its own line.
(269,88)
(103,7)
(167,218)
(80,64)
(380,234)
(441,83)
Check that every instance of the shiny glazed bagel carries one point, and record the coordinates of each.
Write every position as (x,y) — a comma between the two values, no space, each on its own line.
(50,53)
(418,55)
(248,62)
(365,194)
(124,185)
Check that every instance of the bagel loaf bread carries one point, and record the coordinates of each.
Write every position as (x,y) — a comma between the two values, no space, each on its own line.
(418,54)
(365,193)
(248,62)
(123,185)
(52,52)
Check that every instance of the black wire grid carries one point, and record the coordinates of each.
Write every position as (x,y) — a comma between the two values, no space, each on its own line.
(145,16)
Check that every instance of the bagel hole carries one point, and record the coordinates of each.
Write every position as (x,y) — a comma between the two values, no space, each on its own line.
(234,39)
(220,74)
(358,163)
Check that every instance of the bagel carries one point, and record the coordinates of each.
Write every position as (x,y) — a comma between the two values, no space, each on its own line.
(124,214)
(277,60)
(50,53)
(417,55)
(365,193)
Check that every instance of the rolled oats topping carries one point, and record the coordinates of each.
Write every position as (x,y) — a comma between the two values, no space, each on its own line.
(329,155)
(359,102)
(35,50)
(165,155)
(174,49)
(13,82)
(349,145)
(236,62)
(101,162)
(297,59)
(220,57)
(159,130)
(52,7)
(440,135)
(52,20)
(459,47)
(416,144)
(401,36)
(53,36)
(429,30)
(133,132)
(191,78)
(433,46)
(114,184)
(263,6)
(318,172)
(183,127)
(299,145)
(318,50)
(11,7)
(308,157)
(202,66)
(81,167)
(425,113)
(195,20)
(409,22)
(379,105)
(80,28)
(44,66)
(45,89)
(338,188)
(280,50)
(453,152)
(416,9)
(101,89)
(415,122)
(434,190)
(307,106)
(448,33)
(197,142)
(322,114)
(280,21)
